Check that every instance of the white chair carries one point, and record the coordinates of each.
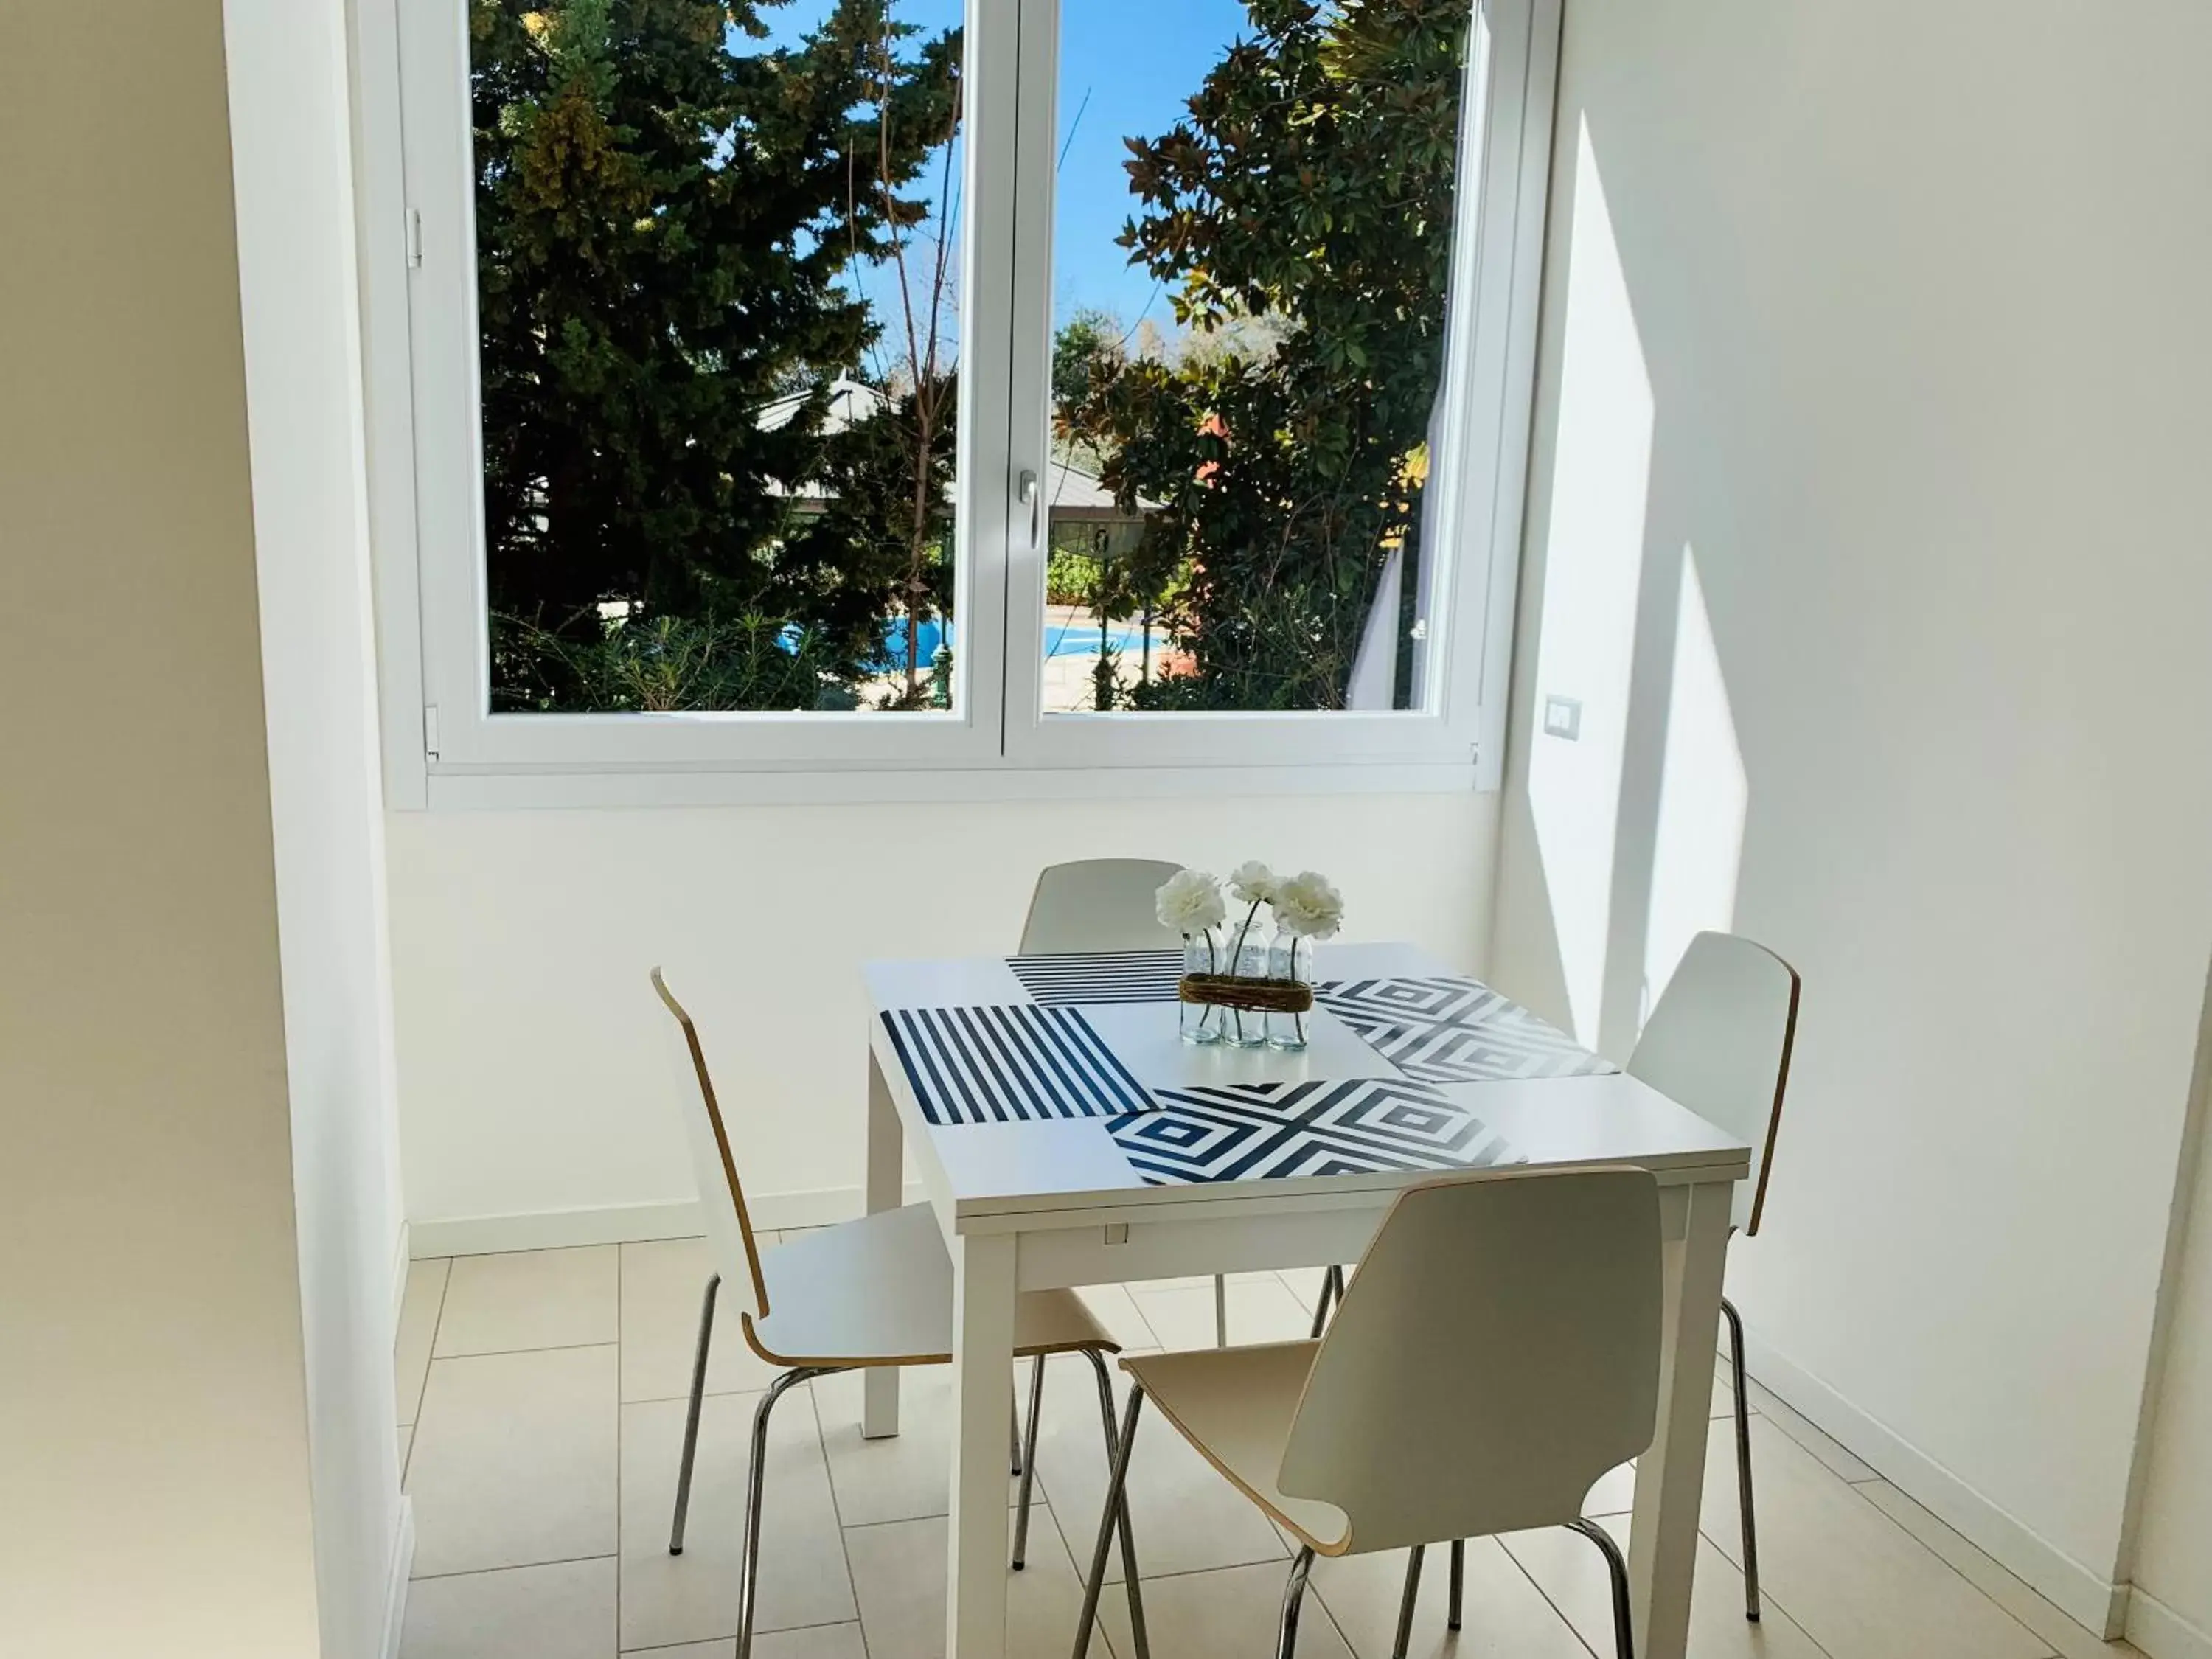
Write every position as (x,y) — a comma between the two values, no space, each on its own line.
(876,1292)
(1497,1352)
(1719,1043)
(1106,904)
(1097,904)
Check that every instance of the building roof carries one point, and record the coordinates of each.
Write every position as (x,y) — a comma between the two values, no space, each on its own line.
(1071,492)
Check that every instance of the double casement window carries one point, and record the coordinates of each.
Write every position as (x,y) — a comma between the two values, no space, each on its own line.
(1022,392)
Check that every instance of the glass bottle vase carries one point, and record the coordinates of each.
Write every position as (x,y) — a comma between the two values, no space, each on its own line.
(1201,1023)
(1244,955)
(1290,956)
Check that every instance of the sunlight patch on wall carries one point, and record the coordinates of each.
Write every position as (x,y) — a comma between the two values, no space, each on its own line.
(1698,847)
(1593,558)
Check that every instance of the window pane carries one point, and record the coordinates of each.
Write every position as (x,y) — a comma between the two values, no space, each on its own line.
(1252,243)
(718,292)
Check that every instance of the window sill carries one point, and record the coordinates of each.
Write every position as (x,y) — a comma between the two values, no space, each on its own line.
(457,789)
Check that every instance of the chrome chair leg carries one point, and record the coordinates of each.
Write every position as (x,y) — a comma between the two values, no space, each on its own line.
(1332,1291)
(692,1415)
(1132,1585)
(1624,1630)
(1413,1594)
(1014,1439)
(1025,1464)
(1220,1311)
(1114,1514)
(1743,1462)
(1294,1593)
(748,1573)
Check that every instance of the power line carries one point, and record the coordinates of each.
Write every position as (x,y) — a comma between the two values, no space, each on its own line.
(1067,142)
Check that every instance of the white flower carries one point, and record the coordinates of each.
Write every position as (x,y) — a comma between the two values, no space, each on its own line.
(1306,905)
(1253,883)
(1189,902)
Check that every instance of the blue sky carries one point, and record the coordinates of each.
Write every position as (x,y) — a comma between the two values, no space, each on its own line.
(1136,61)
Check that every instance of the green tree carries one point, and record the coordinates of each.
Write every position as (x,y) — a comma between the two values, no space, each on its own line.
(877,541)
(1303,212)
(921,402)
(662,664)
(666,214)
(883,534)
(1117,578)
(1090,342)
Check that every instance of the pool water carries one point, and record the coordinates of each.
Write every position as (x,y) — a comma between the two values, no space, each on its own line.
(1073,642)
(1084,641)
(927,638)
(1070,641)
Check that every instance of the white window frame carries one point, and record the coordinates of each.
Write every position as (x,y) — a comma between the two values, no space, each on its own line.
(420,321)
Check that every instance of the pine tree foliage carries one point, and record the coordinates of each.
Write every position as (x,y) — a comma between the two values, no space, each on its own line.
(667,215)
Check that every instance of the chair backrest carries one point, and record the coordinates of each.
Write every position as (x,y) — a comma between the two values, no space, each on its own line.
(1497,1352)
(1097,904)
(1719,1043)
(714,1165)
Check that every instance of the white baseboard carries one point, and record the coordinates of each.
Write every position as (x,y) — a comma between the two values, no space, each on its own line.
(403,1569)
(2161,1632)
(623,1223)
(2084,1594)
(553,1230)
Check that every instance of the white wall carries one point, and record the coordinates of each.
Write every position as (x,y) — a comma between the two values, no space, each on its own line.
(154,1433)
(1869,525)
(529,1076)
(291,146)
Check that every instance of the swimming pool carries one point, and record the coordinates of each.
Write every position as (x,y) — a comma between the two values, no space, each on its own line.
(927,638)
(1082,641)
(1069,641)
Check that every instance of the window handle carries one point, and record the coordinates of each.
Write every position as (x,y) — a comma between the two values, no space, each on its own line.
(1033,499)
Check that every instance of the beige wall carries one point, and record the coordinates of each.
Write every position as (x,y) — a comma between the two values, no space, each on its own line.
(2173,1566)
(153,1418)
(529,1076)
(198,1214)
(1869,527)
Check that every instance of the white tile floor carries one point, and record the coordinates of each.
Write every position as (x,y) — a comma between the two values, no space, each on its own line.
(541,1399)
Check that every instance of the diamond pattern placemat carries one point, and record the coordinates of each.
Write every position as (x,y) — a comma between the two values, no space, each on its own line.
(1270,1130)
(1456,1031)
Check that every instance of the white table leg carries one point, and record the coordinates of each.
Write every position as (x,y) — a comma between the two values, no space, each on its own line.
(879,1385)
(982,1394)
(1670,1477)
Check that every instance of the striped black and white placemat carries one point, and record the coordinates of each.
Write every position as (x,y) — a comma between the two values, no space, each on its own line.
(1008,1063)
(1100,975)
(1271,1130)
(1456,1031)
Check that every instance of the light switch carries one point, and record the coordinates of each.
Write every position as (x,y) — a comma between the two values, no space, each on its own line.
(1563,718)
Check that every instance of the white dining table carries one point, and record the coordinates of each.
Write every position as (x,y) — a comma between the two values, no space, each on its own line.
(1065,1135)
